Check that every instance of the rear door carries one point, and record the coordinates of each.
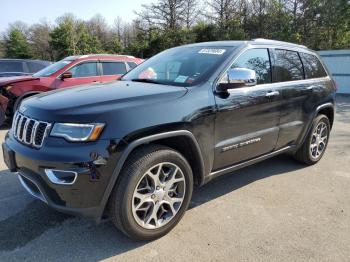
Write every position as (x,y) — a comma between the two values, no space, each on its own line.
(288,73)
(247,119)
(83,73)
(112,70)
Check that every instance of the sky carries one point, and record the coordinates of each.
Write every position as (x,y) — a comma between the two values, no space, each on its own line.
(33,11)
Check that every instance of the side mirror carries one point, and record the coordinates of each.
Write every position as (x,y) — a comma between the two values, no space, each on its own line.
(238,77)
(66,75)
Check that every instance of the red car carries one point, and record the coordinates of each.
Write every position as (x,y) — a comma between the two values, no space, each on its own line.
(71,71)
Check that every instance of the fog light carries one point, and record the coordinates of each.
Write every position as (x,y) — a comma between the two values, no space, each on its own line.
(61,177)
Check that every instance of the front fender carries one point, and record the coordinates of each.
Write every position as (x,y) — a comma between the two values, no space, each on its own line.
(141,141)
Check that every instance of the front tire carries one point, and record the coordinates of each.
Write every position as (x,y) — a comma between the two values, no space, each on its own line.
(152,193)
(316,141)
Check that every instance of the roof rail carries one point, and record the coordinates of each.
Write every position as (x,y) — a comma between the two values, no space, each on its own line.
(130,56)
(277,42)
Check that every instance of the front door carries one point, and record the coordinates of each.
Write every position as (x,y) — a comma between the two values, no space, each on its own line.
(247,118)
(83,73)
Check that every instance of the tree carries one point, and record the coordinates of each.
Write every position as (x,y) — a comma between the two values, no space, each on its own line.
(39,37)
(319,24)
(72,37)
(17,45)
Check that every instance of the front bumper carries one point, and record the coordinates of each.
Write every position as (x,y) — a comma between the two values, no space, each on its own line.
(91,166)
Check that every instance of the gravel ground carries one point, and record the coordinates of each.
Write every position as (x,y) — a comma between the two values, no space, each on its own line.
(277,210)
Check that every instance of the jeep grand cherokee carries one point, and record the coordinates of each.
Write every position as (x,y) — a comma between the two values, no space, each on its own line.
(133,150)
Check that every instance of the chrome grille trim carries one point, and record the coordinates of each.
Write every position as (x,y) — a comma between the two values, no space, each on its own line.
(21,131)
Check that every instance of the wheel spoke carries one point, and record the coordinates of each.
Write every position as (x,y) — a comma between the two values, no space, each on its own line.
(173,180)
(159,195)
(153,216)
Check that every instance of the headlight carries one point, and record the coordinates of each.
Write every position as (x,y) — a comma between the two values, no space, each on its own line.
(77,132)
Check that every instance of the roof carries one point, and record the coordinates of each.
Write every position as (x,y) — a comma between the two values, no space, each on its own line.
(258,41)
(24,60)
(106,56)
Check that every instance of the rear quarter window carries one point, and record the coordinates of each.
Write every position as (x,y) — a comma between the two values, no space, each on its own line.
(287,66)
(312,66)
(132,64)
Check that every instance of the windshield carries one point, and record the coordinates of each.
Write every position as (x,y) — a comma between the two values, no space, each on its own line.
(183,66)
(47,71)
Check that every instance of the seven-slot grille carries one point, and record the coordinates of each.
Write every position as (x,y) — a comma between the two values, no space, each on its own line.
(29,131)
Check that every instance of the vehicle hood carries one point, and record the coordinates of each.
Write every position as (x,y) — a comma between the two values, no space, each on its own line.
(15,79)
(89,102)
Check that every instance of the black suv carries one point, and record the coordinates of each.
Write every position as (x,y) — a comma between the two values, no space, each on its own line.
(133,150)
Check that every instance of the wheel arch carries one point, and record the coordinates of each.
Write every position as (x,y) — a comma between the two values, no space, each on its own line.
(180,140)
(24,96)
(327,110)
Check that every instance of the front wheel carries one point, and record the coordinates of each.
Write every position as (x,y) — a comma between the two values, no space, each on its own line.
(152,193)
(316,141)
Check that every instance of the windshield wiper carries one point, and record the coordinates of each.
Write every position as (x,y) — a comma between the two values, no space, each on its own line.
(146,80)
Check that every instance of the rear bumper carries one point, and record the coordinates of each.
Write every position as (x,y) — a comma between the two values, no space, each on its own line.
(90,167)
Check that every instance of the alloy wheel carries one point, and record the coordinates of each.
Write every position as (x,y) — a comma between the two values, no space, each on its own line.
(319,140)
(158,195)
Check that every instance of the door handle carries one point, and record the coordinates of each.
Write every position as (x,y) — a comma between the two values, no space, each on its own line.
(272,94)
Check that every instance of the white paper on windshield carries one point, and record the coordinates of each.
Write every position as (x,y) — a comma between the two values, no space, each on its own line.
(181,79)
(212,51)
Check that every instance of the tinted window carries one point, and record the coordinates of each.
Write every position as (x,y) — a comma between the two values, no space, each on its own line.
(11,66)
(113,68)
(132,64)
(288,66)
(35,67)
(257,60)
(312,66)
(84,70)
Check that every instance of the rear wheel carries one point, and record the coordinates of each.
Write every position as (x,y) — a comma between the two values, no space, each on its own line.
(152,194)
(316,142)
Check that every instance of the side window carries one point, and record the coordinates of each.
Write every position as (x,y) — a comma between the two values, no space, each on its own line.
(84,70)
(35,67)
(11,66)
(312,66)
(113,68)
(257,60)
(288,66)
(132,64)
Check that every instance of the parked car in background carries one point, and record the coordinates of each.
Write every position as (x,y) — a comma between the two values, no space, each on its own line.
(71,71)
(18,67)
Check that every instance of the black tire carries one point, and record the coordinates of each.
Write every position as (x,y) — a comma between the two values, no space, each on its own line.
(121,200)
(2,117)
(304,154)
